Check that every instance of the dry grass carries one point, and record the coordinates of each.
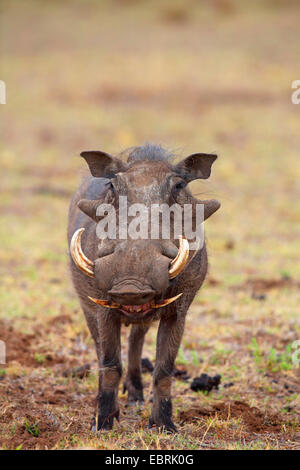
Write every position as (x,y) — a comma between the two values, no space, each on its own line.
(114,74)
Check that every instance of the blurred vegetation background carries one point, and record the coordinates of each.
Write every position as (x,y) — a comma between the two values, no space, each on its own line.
(208,76)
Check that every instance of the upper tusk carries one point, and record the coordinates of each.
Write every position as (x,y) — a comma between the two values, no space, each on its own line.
(79,258)
(179,262)
(165,302)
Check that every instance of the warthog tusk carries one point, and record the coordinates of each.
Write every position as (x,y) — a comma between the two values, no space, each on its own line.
(86,265)
(104,303)
(179,262)
(165,302)
(79,258)
(162,303)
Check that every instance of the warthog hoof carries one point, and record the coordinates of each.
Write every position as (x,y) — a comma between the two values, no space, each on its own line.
(105,422)
(162,416)
(168,427)
(135,394)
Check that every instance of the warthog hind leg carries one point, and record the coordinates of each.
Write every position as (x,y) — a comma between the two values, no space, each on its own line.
(133,382)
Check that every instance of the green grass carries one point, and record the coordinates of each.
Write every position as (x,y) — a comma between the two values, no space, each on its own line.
(32,429)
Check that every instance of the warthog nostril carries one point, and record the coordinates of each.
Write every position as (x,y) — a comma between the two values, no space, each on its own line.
(144,296)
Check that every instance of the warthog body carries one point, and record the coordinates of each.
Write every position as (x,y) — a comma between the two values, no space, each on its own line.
(131,275)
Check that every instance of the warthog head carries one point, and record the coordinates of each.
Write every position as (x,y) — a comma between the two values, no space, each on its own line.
(133,274)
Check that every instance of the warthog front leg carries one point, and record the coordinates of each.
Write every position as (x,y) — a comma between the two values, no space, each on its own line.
(110,372)
(169,336)
(133,381)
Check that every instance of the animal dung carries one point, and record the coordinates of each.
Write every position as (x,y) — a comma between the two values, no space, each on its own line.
(205,383)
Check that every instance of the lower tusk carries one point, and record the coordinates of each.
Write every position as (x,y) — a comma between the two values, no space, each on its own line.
(165,302)
(104,303)
(162,303)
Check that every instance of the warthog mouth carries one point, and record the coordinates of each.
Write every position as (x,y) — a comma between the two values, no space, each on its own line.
(136,309)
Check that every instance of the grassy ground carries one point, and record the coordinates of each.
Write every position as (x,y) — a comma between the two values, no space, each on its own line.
(109,75)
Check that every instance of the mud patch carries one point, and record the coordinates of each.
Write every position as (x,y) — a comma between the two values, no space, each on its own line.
(39,414)
(40,429)
(17,344)
(23,348)
(254,419)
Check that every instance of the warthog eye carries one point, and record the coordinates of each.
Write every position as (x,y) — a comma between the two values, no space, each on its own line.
(109,187)
(177,188)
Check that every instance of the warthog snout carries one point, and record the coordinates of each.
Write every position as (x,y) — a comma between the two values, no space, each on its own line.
(129,293)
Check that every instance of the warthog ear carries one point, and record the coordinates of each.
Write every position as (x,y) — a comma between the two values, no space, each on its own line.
(196,166)
(102,164)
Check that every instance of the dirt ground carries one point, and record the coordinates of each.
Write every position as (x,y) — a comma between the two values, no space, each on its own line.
(212,76)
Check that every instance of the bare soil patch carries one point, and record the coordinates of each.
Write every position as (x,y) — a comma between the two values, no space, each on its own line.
(254,419)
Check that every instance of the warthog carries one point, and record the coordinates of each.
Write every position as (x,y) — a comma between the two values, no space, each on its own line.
(136,281)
